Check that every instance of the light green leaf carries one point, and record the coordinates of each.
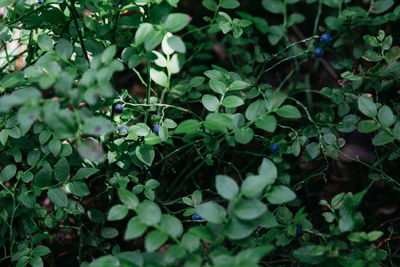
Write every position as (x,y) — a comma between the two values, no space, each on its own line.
(280,194)
(211,212)
(58,197)
(210,102)
(367,106)
(226,186)
(232,101)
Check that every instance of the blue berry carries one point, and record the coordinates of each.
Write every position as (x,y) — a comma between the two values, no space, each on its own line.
(319,52)
(325,38)
(123,130)
(299,228)
(119,108)
(290,58)
(196,217)
(274,149)
(40,1)
(156,129)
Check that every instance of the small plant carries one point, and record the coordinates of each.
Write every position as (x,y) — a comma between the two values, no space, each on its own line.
(199,133)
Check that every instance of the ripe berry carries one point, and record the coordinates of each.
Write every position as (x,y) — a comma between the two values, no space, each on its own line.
(156,129)
(290,58)
(119,108)
(274,149)
(40,1)
(123,130)
(299,228)
(325,38)
(196,217)
(319,52)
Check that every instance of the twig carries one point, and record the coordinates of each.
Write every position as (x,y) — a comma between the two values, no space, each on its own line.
(75,17)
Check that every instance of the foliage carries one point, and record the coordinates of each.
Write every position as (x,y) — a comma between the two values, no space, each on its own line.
(201,167)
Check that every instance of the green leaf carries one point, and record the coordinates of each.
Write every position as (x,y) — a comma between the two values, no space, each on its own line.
(55,146)
(108,54)
(218,122)
(239,229)
(371,40)
(176,44)
(145,154)
(105,261)
(382,138)
(175,22)
(149,213)
(27,115)
(45,42)
(266,123)
(386,117)
(109,233)
(134,229)
(226,187)
(249,209)
(36,262)
(210,102)
(372,56)
(367,126)
(44,136)
(61,169)
(154,240)
(244,135)
(128,198)
(296,18)
(5,34)
(312,151)
(211,212)
(64,49)
(238,85)
(190,242)
(210,4)
(197,81)
(253,184)
(41,250)
(85,172)
(268,171)
(280,194)
(77,188)
(143,33)
(273,6)
(159,77)
(381,6)
(289,111)
(217,86)
(374,235)
(232,101)
(171,225)
(117,212)
(229,4)
(188,127)
(97,126)
(7,173)
(367,106)
(58,197)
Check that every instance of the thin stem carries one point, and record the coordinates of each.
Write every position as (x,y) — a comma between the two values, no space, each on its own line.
(75,18)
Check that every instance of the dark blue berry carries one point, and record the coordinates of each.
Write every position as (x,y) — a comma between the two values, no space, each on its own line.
(156,129)
(290,58)
(274,149)
(325,38)
(299,228)
(319,52)
(119,108)
(123,130)
(196,217)
(40,1)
